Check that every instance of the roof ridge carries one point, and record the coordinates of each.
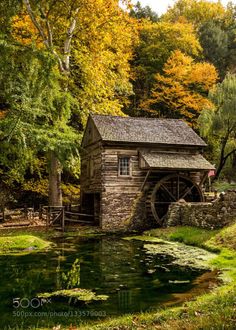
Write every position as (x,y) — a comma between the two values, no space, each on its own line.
(132,117)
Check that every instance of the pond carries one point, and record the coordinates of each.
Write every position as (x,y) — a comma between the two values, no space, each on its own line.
(134,279)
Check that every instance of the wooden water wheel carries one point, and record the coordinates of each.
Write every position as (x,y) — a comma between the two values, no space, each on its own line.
(172,188)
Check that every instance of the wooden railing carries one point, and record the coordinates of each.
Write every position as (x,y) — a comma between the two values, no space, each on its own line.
(60,216)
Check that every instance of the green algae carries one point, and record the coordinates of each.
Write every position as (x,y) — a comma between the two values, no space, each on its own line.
(182,255)
(83,295)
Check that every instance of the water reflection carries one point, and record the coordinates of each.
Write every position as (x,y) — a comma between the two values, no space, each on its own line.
(134,280)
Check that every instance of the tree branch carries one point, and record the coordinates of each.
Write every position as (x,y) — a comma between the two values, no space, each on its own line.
(35,22)
(67,43)
(229,154)
(49,30)
(46,41)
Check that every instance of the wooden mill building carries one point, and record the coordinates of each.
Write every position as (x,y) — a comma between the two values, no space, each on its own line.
(133,168)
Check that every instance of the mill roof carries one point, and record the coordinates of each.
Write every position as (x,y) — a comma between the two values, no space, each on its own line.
(176,161)
(146,130)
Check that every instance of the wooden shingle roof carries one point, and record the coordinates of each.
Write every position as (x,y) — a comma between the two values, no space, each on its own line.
(146,130)
(162,160)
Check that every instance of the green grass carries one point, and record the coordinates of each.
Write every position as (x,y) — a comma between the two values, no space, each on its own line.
(41,232)
(48,233)
(22,243)
(187,235)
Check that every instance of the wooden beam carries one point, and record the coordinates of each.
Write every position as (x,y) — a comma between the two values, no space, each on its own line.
(145,180)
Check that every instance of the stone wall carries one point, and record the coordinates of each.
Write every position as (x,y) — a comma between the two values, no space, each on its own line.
(123,212)
(216,214)
(116,209)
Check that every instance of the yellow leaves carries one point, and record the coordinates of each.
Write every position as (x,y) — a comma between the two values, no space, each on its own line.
(24,31)
(203,74)
(178,65)
(170,36)
(103,46)
(37,186)
(181,91)
(195,11)
(183,69)
(71,193)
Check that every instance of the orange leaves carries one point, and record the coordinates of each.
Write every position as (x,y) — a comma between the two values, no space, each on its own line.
(178,65)
(24,31)
(203,74)
(185,70)
(181,92)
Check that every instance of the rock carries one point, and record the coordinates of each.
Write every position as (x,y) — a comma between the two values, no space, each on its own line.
(30,248)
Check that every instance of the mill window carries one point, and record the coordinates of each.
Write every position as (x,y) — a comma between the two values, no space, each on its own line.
(124,166)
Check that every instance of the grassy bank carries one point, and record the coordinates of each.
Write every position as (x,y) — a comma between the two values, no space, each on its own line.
(216,310)
(51,233)
(22,243)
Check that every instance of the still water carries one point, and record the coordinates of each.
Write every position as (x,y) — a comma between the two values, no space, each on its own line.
(133,279)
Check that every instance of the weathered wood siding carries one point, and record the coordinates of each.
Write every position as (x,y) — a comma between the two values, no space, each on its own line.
(111,181)
(91,169)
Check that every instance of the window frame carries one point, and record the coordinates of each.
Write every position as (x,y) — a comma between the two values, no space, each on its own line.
(129,164)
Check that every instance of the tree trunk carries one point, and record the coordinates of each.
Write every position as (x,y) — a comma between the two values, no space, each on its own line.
(223,160)
(219,169)
(55,194)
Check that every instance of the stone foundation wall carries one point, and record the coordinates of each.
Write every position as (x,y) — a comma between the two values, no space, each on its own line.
(122,211)
(216,214)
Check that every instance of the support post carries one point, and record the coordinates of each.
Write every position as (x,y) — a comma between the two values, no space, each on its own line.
(48,216)
(63,218)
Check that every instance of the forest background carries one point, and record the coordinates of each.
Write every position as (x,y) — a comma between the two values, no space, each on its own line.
(61,60)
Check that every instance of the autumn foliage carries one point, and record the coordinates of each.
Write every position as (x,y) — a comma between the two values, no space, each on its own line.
(181,91)
(24,31)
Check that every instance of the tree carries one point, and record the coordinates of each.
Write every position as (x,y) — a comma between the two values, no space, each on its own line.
(33,98)
(197,12)
(181,92)
(89,71)
(215,43)
(215,26)
(157,41)
(218,124)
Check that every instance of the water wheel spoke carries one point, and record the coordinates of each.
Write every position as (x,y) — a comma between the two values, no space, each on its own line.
(187,192)
(169,193)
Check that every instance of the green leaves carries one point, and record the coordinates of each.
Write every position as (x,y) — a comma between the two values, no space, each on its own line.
(219,124)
